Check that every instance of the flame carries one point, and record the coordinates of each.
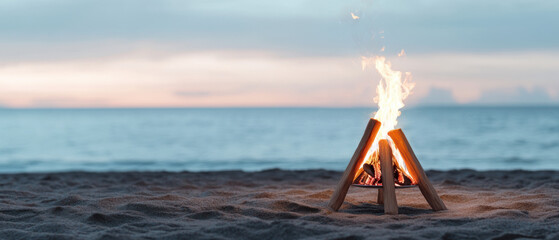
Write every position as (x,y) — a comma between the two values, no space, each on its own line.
(355,17)
(402,53)
(392,90)
(382,49)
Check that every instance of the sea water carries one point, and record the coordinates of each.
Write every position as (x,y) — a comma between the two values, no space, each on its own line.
(43,140)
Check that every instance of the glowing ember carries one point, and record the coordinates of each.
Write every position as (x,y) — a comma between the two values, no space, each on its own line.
(393,88)
(355,17)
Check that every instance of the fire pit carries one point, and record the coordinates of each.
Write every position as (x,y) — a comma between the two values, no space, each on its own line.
(384,158)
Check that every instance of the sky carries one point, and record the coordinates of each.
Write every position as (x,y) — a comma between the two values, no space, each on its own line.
(171,53)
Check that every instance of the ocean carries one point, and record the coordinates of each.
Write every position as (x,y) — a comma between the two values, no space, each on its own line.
(211,139)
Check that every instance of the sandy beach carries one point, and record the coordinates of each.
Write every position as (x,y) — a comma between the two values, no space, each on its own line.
(272,204)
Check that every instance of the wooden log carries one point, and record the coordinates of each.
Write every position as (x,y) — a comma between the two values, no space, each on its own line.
(354,165)
(369,170)
(388,186)
(415,170)
(380,197)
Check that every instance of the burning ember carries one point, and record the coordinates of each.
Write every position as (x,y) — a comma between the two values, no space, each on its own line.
(391,92)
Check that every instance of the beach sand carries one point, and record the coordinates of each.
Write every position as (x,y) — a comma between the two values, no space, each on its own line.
(272,204)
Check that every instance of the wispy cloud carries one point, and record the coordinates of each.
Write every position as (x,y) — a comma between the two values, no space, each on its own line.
(186,79)
(287,26)
(516,96)
(467,75)
(242,78)
(437,97)
(193,93)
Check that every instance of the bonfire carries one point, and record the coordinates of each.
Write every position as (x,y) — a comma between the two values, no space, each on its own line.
(384,158)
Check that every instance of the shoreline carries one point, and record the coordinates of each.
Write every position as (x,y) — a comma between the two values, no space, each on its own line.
(272,204)
(431,171)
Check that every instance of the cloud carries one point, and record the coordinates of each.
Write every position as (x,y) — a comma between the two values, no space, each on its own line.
(467,75)
(253,78)
(437,97)
(187,79)
(68,102)
(193,93)
(293,27)
(516,96)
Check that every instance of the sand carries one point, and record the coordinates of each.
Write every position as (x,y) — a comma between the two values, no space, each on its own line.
(273,204)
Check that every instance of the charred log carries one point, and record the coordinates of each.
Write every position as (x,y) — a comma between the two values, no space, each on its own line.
(371,176)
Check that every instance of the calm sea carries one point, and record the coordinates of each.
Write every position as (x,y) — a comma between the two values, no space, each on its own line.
(41,140)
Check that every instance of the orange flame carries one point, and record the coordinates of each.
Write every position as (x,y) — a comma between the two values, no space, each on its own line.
(392,90)
(355,17)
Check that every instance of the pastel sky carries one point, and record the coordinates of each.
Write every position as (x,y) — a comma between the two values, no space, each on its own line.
(172,53)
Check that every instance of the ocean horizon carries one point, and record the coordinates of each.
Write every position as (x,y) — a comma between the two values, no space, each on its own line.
(258,138)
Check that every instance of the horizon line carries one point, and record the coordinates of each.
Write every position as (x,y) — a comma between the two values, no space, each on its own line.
(287,106)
